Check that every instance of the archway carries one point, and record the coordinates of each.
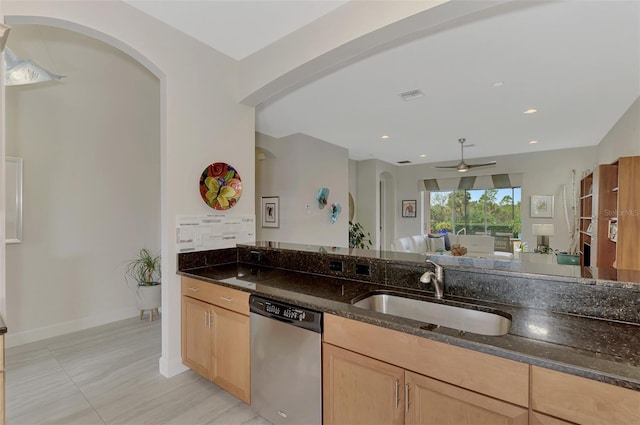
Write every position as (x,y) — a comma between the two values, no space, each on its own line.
(66,235)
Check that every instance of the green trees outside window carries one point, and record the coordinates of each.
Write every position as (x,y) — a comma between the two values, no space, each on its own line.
(489,211)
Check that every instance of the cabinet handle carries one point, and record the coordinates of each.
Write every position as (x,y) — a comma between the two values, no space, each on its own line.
(397,393)
(206,319)
(192,289)
(209,314)
(406,397)
(227,299)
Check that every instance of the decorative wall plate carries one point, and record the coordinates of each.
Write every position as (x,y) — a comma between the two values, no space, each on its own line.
(220,186)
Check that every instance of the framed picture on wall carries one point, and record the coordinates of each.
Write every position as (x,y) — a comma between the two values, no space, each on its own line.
(613,230)
(409,208)
(541,206)
(270,211)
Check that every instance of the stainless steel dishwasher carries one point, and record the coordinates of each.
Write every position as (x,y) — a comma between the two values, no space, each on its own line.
(286,362)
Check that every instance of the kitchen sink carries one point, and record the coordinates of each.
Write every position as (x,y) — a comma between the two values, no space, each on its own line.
(464,317)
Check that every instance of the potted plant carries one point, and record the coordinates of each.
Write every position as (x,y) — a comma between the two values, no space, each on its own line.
(357,237)
(144,269)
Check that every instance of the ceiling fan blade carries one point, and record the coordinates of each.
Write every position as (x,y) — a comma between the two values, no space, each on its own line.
(481,165)
(463,166)
(446,166)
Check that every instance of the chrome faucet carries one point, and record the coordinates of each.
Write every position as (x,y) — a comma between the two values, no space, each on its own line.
(436,277)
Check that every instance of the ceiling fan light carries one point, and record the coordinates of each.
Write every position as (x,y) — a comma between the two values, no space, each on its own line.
(462,168)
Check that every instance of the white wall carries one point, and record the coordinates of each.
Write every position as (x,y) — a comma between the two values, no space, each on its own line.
(91,149)
(624,137)
(544,174)
(294,168)
(200,120)
(368,177)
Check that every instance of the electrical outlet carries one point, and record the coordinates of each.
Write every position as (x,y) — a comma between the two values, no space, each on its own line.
(363,269)
(336,266)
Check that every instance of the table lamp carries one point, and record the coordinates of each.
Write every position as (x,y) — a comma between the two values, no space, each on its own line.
(543,231)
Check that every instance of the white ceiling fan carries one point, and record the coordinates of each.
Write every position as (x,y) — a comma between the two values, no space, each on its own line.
(462,166)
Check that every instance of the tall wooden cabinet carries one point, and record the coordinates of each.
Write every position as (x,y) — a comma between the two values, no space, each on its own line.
(628,226)
(216,335)
(610,215)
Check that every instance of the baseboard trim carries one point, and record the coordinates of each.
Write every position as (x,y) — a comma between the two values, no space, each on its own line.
(57,329)
(171,368)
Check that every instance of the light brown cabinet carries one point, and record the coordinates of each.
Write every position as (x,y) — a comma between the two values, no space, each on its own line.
(429,401)
(370,377)
(610,215)
(196,336)
(360,390)
(582,400)
(442,384)
(216,335)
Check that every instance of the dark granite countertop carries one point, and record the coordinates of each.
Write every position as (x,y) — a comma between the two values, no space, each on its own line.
(604,350)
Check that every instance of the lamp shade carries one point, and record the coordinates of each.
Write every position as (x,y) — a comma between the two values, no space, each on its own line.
(543,229)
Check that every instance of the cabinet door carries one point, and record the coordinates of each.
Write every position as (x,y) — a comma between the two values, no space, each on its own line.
(230,352)
(542,419)
(434,402)
(360,390)
(196,336)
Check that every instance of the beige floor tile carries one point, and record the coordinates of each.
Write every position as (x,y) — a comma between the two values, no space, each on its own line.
(109,375)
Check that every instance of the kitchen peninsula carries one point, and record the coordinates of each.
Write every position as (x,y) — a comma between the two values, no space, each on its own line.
(569,355)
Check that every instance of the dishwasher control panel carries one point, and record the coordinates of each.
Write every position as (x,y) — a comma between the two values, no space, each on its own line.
(302,317)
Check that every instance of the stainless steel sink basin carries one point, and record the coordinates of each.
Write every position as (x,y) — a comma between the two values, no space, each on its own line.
(447,315)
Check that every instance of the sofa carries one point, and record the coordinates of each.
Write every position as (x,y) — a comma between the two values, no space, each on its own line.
(482,246)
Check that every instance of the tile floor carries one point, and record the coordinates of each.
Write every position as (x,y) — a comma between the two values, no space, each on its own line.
(109,375)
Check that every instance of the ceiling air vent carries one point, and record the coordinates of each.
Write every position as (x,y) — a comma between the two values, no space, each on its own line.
(411,95)
(404,162)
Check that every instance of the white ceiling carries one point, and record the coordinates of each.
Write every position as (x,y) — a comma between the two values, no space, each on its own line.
(237,28)
(578,62)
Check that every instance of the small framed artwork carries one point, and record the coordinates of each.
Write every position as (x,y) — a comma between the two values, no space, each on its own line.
(613,230)
(409,208)
(270,211)
(541,206)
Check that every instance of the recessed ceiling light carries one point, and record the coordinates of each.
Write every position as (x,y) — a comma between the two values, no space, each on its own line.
(384,136)
(533,142)
(498,84)
(530,111)
(423,155)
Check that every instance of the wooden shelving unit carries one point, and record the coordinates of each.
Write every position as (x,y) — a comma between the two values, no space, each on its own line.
(586,218)
(607,196)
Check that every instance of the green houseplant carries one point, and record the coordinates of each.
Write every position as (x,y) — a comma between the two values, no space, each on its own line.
(144,269)
(357,236)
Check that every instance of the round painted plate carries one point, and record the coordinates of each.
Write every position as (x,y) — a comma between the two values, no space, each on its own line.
(220,186)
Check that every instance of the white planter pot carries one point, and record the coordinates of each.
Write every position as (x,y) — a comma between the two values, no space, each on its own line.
(148,297)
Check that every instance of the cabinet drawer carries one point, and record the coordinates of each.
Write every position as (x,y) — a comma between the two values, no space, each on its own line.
(224,297)
(494,376)
(582,400)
